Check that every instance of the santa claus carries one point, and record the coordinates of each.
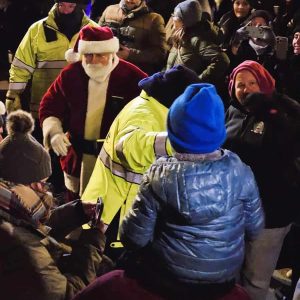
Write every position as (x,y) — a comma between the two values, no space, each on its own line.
(80,105)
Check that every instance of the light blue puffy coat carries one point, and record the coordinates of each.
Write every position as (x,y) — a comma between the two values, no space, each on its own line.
(194,214)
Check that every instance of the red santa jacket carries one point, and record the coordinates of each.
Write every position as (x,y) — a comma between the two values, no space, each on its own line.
(66,99)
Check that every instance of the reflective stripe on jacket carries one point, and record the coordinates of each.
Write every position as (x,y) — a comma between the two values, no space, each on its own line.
(134,140)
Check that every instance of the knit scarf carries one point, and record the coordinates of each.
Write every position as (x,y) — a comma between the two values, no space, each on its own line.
(21,203)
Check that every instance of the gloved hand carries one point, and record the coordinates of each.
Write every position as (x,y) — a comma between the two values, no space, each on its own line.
(268,36)
(13,103)
(60,143)
(241,35)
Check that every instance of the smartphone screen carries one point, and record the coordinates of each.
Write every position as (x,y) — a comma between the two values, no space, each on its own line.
(98,213)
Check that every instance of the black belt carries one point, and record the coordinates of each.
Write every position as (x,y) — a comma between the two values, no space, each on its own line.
(86,146)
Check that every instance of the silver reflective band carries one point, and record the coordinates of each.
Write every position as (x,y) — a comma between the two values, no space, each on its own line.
(160,146)
(19,64)
(118,169)
(56,64)
(17,85)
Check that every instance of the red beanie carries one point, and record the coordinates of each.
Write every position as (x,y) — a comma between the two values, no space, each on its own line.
(264,79)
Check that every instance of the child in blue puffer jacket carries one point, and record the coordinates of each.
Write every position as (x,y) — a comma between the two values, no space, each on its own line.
(193,211)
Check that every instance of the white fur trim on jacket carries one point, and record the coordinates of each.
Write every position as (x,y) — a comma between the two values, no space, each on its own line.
(50,126)
(71,183)
(109,46)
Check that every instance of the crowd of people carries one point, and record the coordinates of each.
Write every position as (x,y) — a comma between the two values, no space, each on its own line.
(182,118)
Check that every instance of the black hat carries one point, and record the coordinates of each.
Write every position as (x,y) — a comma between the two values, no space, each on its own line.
(260,13)
(167,86)
(22,158)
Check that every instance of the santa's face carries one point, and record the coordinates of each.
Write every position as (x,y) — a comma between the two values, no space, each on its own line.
(96,58)
(98,66)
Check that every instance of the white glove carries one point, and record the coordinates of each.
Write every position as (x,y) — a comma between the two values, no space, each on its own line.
(60,143)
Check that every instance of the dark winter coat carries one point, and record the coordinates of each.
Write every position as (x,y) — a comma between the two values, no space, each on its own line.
(229,24)
(198,50)
(33,263)
(267,139)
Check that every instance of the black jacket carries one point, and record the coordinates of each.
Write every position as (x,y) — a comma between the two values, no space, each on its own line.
(267,139)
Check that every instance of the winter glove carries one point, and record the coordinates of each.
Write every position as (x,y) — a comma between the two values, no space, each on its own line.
(60,143)
(12,103)
(268,36)
(241,35)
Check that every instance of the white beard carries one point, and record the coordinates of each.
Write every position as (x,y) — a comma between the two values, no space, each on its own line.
(99,72)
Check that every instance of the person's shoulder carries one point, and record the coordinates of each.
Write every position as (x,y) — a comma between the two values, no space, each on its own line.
(155,16)
(226,17)
(111,8)
(37,24)
(233,161)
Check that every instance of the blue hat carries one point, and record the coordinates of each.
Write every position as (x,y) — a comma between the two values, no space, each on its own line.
(196,120)
(167,86)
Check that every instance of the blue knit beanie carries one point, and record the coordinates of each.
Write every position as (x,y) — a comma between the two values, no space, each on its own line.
(189,11)
(167,86)
(196,120)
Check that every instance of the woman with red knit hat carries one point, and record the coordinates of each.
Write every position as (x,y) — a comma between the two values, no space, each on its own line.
(263,129)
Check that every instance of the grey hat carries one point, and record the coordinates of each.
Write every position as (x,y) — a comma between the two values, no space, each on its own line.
(189,11)
(22,158)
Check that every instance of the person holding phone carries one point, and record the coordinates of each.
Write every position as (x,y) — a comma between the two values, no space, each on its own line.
(37,262)
(255,40)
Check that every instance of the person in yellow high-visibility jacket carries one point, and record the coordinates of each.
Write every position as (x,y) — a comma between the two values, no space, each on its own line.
(41,54)
(136,137)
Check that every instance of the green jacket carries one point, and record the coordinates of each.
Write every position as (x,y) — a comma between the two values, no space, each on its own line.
(198,51)
(40,59)
(133,142)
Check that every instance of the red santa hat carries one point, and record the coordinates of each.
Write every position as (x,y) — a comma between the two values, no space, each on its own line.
(93,40)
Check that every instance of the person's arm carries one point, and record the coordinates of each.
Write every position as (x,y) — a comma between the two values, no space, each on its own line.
(254,214)
(65,280)
(68,217)
(22,68)
(53,109)
(138,226)
(216,62)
